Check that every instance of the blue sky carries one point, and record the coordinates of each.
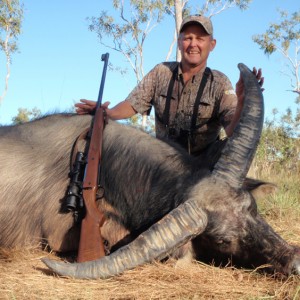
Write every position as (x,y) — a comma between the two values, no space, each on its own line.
(59,61)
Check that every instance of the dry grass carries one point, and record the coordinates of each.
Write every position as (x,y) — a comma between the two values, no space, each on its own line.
(23,276)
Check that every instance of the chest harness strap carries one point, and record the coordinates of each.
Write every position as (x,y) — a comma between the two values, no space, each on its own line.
(166,115)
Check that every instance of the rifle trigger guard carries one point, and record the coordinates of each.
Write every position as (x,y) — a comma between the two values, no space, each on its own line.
(100,193)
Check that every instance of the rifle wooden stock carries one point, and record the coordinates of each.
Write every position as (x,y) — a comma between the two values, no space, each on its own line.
(91,243)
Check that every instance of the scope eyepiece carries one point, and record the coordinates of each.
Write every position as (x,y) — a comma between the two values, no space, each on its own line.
(73,198)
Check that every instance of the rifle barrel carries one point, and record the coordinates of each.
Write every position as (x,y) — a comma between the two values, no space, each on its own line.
(104,57)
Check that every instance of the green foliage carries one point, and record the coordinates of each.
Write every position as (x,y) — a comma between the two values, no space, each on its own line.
(282,208)
(214,7)
(137,121)
(24,115)
(279,148)
(127,32)
(280,35)
(284,37)
(11,16)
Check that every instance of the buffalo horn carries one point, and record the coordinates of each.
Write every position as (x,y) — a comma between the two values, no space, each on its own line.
(173,230)
(240,149)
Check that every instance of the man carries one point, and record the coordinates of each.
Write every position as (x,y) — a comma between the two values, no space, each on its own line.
(191,102)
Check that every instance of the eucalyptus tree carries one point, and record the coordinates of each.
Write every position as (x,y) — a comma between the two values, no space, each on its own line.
(127,29)
(11,16)
(280,138)
(284,37)
(24,115)
(209,8)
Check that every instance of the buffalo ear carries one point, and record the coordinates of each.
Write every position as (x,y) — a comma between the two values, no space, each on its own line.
(258,188)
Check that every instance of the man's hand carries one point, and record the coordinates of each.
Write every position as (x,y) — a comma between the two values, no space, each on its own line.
(239,88)
(88,107)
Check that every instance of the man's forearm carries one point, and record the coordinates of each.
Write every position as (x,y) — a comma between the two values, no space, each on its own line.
(123,110)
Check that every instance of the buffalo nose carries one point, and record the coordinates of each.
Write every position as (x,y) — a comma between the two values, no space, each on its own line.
(296,267)
(296,263)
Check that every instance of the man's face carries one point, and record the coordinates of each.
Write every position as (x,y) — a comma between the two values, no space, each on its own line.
(195,45)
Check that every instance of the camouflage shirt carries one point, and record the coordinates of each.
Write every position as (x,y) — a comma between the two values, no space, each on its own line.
(216,109)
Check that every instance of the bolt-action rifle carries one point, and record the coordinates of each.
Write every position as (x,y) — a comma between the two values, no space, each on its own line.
(86,177)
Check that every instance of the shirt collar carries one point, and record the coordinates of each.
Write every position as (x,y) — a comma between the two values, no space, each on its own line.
(198,75)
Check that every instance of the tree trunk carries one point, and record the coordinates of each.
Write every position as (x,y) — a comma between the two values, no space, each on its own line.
(178,20)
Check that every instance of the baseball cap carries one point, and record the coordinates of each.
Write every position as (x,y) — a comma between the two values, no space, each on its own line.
(198,19)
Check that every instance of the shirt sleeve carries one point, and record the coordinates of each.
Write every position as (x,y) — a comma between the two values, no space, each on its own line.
(228,103)
(141,96)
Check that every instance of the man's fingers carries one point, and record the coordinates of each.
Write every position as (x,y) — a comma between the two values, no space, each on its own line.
(261,81)
(258,75)
(105,104)
(88,102)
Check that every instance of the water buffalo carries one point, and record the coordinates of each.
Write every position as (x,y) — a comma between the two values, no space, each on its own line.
(162,196)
